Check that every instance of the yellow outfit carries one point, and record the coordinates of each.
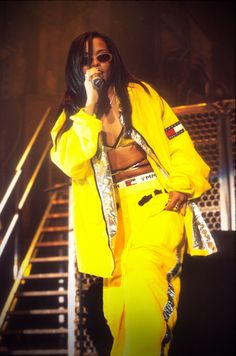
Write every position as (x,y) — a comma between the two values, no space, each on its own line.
(137,249)
(140,299)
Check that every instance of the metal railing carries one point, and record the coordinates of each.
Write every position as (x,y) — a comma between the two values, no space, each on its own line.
(15,179)
(212,126)
(15,217)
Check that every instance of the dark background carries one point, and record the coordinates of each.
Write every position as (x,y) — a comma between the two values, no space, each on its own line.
(187,50)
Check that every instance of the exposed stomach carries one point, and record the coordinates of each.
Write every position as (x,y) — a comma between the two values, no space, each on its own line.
(127,162)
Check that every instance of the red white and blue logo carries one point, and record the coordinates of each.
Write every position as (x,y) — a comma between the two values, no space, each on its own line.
(174,130)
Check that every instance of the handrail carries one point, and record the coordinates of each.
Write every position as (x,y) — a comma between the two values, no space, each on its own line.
(19,166)
(23,199)
(33,139)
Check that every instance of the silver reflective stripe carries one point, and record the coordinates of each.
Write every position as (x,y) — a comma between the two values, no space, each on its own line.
(170,304)
(106,190)
(202,238)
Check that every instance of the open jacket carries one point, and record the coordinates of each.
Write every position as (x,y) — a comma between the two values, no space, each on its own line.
(79,153)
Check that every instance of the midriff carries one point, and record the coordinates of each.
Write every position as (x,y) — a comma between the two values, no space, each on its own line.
(127,162)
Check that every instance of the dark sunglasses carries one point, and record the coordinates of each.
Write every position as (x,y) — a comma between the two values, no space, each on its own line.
(101,57)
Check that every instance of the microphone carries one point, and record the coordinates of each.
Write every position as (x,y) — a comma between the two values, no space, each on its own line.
(97,82)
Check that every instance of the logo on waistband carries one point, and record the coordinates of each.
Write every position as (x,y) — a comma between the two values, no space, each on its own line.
(129,182)
(148,176)
(136,180)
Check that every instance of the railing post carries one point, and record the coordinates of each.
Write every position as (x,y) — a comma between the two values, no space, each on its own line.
(71,283)
(226,174)
(16,238)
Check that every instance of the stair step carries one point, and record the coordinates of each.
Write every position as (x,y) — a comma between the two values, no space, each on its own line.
(52,243)
(39,312)
(40,293)
(56,229)
(60,201)
(58,215)
(49,259)
(39,352)
(36,331)
(46,275)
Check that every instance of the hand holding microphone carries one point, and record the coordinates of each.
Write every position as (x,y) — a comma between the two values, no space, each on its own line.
(97,81)
(94,75)
(93,84)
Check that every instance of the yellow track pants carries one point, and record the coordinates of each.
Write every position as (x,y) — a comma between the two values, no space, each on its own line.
(141,298)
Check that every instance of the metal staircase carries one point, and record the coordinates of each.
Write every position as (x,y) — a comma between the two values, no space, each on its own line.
(44,313)
(42,305)
(34,319)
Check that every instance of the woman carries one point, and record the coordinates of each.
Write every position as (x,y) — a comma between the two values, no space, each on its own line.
(134,174)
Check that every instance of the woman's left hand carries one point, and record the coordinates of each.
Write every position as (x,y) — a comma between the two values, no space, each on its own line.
(176,201)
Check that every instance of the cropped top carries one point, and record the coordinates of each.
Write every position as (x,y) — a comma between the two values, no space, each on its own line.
(124,141)
(121,141)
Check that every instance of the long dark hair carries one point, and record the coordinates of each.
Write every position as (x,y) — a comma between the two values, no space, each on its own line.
(75,95)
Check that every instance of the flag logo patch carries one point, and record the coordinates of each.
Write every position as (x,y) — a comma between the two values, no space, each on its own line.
(174,130)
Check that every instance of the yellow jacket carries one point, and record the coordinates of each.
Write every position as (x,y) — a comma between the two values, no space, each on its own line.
(173,157)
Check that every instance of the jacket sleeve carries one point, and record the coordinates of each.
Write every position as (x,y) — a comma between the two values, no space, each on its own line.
(189,173)
(74,148)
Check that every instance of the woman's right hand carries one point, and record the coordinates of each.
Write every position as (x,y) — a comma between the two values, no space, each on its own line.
(92,93)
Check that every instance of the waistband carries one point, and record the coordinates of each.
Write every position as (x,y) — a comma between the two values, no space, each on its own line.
(142,178)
